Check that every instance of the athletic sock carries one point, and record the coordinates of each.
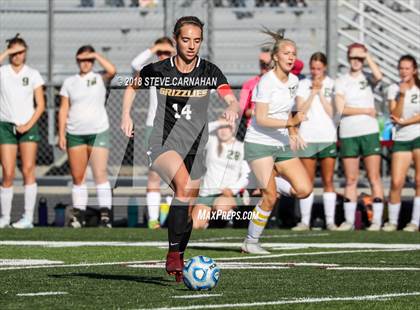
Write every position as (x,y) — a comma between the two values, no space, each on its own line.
(305,206)
(80,196)
(378,209)
(177,224)
(186,237)
(104,195)
(257,223)
(283,186)
(394,212)
(153,205)
(415,215)
(6,197)
(30,201)
(350,212)
(329,199)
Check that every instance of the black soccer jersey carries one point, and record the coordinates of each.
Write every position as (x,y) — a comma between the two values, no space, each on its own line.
(181,117)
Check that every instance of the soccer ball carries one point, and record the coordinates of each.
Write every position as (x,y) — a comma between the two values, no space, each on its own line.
(201,273)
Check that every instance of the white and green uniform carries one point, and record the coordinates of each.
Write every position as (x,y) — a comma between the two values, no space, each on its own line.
(87,123)
(406,139)
(359,134)
(411,108)
(320,133)
(17,108)
(262,141)
(357,93)
(17,103)
(319,130)
(87,114)
(17,94)
(227,170)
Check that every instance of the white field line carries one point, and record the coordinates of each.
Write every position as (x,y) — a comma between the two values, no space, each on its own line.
(310,253)
(28,262)
(307,300)
(216,259)
(81,265)
(228,267)
(197,296)
(42,294)
(247,265)
(262,237)
(375,268)
(351,245)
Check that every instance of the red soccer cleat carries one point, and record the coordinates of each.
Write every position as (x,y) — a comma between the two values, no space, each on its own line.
(174,265)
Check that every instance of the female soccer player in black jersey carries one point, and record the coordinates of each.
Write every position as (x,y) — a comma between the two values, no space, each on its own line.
(183,84)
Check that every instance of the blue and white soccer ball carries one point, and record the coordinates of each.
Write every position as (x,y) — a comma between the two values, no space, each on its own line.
(201,273)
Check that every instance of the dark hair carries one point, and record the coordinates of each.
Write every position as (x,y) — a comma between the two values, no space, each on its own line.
(84,49)
(164,40)
(188,20)
(318,56)
(415,66)
(16,40)
(355,45)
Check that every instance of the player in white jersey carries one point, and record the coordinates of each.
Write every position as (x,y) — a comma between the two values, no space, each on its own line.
(314,97)
(272,138)
(163,48)
(404,107)
(84,132)
(227,173)
(19,86)
(359,133)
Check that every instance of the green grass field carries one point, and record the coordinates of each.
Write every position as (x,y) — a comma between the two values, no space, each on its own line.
(123,268)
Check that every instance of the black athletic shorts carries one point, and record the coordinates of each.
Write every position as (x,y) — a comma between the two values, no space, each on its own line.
(194,162)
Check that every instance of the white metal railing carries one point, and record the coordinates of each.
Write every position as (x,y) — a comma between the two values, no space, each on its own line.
(387,33)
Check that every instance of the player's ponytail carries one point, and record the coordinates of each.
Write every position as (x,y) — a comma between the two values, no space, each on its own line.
(415,66)
(278,40)
(16,40)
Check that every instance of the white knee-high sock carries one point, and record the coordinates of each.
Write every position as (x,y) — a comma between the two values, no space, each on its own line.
(30,200)
(153,205)
(329,199)
(80,196)
(6,197)
(283,186)
(415,215)
(394,212)
(104,195)
(350,212)
(306,208)
(257,223)
(378,209)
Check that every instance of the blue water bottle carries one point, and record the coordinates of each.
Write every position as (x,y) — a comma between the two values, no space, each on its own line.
(132,212)
(42,212)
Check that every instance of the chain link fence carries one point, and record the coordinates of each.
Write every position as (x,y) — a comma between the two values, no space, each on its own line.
(120,29)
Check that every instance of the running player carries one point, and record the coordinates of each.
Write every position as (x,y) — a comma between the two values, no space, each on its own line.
(404,107)
(19,86)
(359,133)
(84,132)
(272,137)
(180,132)
(314,97)
(163,48)
(227,173)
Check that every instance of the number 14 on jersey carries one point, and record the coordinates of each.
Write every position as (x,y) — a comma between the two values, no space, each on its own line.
(186,111)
